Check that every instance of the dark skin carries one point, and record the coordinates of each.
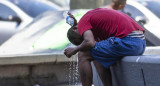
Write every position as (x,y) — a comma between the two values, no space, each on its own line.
(84,59)
(87,44)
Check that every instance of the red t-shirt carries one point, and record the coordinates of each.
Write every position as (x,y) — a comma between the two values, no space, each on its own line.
(105,23)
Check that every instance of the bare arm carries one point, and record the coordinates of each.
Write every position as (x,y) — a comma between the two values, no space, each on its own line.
(87,44)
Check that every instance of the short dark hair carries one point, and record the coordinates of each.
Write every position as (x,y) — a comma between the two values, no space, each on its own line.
(118,2)
(72,36)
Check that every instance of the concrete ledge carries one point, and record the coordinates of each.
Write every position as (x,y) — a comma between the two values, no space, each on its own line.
(135,70)
(28,70)
(152,50)
(52,58)
(34,59)
(41,69)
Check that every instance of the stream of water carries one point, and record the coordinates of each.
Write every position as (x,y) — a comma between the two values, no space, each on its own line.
(72,69)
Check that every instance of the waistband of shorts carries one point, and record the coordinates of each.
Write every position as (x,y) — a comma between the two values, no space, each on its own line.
(137,34)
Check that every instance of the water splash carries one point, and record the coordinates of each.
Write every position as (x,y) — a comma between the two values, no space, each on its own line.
(72,69)
(75,71)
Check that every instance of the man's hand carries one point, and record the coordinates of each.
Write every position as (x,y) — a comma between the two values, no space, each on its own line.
(69,52)
(75,21)
(87,44)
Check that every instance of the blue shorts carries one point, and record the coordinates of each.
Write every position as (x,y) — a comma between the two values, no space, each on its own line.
(107,52)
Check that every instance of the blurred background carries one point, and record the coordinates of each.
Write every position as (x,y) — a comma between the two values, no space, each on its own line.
(38,27)
(32,26)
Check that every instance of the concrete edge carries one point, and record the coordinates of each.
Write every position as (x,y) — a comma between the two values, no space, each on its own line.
(34,59)
(58,58)
(152,50)
(142,59)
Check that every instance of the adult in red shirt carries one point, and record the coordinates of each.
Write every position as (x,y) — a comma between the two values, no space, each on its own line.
(104,36)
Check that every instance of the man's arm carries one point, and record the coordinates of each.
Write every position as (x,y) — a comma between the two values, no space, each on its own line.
(87,44)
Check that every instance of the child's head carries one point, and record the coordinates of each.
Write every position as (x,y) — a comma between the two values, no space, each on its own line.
(119,4)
